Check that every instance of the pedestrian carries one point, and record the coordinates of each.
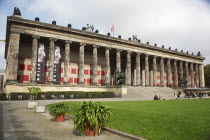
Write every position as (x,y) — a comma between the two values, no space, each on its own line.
(175,95)
(155,97)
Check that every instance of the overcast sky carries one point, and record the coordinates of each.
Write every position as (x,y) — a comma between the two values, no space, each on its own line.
(181,24)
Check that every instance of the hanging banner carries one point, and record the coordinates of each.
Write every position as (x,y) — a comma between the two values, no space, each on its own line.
(57,64)
(41,62)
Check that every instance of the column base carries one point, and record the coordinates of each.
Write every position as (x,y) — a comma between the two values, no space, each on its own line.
(94,84)
(41,82)
(107,83)
(50,82)
(57,82)
(33,82)
(11,81)
(66,83)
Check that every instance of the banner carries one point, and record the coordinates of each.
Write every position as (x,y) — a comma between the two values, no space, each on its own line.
(41,63)
(57,64)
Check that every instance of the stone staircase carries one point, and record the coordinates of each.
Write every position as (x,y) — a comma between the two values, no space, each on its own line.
(148,93)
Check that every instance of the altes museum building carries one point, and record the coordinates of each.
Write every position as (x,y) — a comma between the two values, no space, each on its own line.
(57,58)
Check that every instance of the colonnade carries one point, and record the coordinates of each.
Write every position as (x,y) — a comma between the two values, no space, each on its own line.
(145,76)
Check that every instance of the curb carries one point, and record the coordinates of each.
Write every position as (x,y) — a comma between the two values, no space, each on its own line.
(132,137)
(119,133)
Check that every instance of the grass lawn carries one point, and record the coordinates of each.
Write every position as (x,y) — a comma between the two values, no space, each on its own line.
(185,119)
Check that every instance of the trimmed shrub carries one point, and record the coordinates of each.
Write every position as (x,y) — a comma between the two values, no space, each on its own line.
(3,96)
(63,95)
(19,96)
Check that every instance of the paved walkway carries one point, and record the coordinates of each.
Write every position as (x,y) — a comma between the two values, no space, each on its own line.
(27,125)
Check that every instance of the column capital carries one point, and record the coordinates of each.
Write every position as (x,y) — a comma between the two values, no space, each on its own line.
(35,36)
(14,32)
(147,55)
(52,39)
(138,53)
(186,62)
(129,52)
(154,56)
(95,46)
(82,44)
(162,57)
(169,59)
(107,48)
(68,41)
(119,50)
(180,61)
(175,60)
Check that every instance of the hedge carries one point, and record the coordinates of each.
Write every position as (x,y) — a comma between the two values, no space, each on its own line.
(3,96)
(62,95)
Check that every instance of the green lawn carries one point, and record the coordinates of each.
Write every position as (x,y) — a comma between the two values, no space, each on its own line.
(185,119)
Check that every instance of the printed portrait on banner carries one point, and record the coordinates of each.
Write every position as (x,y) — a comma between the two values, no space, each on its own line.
(57,64)
(41,63)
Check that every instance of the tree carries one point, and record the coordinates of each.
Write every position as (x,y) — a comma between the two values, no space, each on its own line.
(33,92)
(207,75)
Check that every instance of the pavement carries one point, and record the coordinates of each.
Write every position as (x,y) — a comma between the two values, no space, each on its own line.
(19,123)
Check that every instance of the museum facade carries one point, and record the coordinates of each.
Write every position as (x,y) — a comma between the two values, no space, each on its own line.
(60,58)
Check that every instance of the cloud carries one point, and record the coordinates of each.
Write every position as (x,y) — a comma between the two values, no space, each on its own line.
(2,44)
(182,24)
(176,23)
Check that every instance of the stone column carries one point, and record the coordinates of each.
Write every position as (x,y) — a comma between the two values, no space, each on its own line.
(181,70)
(192,75)
(67,61)
(146,70)
(81,63)
(203,79)
(187,72)
(128,67)
(197,75)
(169,72)
(95,59)
(107,67)
(143,75)
(138,69)
(162,82)
(118,61)
(201,75)
(34,58)
(51,60)
(12,57)
(154,71)
(175,74)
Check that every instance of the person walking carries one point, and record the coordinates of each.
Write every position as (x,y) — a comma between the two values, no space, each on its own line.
(175,95)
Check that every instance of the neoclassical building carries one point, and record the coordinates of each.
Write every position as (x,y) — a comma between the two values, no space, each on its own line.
(63,58)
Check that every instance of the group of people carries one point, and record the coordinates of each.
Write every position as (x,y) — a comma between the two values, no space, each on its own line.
(158,97)
(177,95)
(194,95)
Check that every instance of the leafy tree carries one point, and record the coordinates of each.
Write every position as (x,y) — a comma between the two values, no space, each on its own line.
(207,75)
(33,92)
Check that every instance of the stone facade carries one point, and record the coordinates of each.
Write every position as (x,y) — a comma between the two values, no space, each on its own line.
(91,59)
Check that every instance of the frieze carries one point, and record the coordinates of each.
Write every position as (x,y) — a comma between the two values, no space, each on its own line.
(106,43)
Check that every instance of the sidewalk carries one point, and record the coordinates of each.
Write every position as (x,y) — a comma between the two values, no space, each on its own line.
(27,125)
